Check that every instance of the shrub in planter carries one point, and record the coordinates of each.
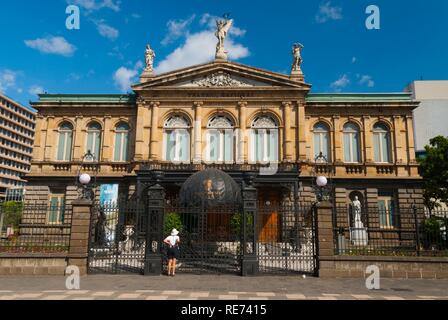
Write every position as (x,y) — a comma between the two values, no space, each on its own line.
(430,232)
(236,224)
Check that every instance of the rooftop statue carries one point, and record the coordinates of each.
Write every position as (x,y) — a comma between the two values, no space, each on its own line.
(297,53)
(149,57)
(223,27)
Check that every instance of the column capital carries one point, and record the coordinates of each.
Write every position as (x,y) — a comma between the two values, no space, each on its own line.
(286,104)
(396,117)
(154,104)
(198,104)
(242,104)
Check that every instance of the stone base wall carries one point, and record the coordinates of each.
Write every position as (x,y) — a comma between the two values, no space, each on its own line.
(33,266)
(390,267)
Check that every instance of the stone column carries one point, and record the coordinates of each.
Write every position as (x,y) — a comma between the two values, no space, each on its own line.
(410,139)
(368,138)
(154,131)
(302,135)
(197,127)
(39,135)
(108,139)
(78,139)
(337,142)
(243,151)
(142,114)
(325,238)
(48,154)
(249,262)
(287,144)
(397,150)
(154,231)
(80,235)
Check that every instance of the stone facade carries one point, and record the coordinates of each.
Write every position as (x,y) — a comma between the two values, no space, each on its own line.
(241,94)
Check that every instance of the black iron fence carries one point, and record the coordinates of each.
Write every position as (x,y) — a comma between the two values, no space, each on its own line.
(400,231)
(118,237)
(34,228)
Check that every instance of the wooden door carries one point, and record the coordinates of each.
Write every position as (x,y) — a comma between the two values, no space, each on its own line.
(269,222)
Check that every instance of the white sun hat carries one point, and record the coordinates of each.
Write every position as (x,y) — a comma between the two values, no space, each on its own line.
(174,232)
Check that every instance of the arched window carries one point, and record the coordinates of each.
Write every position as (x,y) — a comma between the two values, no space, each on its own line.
(65,142)
(381,143)
(177,139)
(322,140)
(219,146)
(351,143)
(264,140)
(121,153)
(94,139)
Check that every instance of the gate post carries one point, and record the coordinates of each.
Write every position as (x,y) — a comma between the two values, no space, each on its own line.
(325,238)
(154,231)
(80,235)
(249,261)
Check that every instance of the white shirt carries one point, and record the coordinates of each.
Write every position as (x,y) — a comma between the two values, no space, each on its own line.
(172,240)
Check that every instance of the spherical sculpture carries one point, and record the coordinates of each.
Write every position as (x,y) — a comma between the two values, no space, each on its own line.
(85,179)
(321,181)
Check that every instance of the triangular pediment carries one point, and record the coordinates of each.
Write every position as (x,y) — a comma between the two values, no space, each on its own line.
(220,75)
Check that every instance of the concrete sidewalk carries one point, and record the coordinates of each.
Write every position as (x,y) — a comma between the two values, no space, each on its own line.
(218,287)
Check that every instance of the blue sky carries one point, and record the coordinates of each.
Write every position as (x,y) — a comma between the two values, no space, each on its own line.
(39,53)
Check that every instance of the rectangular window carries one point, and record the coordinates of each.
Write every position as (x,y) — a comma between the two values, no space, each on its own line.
(386,212)
(56,209)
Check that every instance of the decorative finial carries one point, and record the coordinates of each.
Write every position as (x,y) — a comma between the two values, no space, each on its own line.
(296,71)
(223,27)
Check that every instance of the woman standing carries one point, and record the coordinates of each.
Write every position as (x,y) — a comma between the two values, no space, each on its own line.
(173,251)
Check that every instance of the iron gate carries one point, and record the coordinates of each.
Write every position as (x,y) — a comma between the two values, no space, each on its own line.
(210,238)
(287,239)
(117,243)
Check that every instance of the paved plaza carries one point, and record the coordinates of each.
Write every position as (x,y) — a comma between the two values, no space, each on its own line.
(217,287)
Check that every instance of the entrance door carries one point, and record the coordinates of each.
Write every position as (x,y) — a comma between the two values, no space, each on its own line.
(269,222)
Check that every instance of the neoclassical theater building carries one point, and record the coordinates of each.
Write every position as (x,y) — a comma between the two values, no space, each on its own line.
(236,118)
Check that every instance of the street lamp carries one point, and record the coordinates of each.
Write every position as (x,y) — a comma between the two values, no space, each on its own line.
(84,180)
(322,173)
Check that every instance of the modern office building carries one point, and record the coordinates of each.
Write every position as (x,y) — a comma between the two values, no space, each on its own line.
(430,118)
(17,128)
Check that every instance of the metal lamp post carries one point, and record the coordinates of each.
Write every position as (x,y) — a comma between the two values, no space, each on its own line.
(85,182)
(322,178)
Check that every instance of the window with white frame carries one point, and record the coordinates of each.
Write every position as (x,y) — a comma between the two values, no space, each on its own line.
(386,211)
(64,152)
(177,139)
(322,144)
(121,152)
(351,143)
(264,140)
(94,140)
(381,143)
(220,140)
(56,209)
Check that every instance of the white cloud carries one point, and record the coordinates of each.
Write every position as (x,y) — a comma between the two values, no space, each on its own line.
(200,47)
(367,80)
(52,45)
(342,82)
(177,29)
(328,12)
(35,90)
(107,31)
(7,79)
(94,5)
(124,77)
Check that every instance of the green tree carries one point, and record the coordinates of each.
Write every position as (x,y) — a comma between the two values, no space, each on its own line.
(434,170)
(173,221)
(12,213)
